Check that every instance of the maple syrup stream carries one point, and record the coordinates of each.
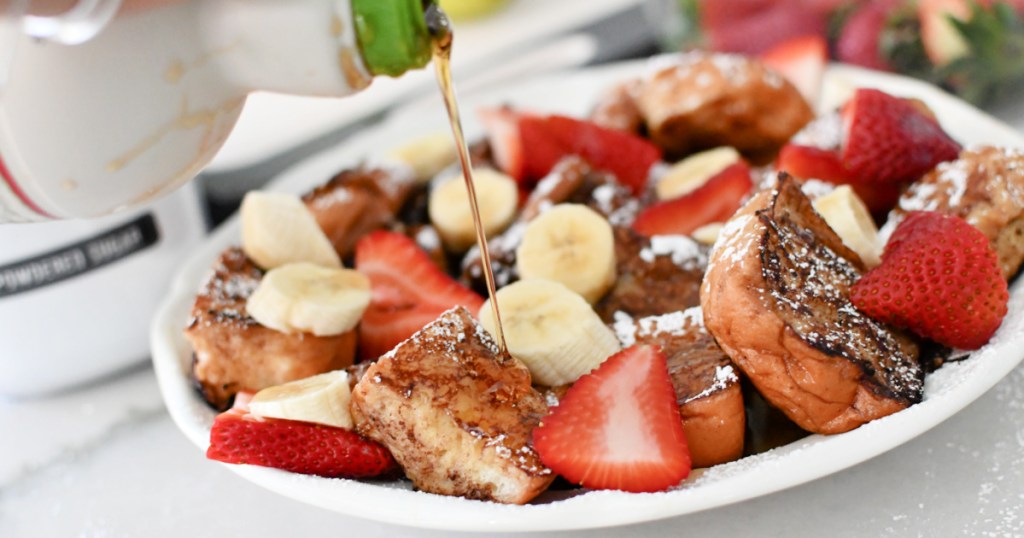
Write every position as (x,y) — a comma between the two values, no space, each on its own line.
(441,31)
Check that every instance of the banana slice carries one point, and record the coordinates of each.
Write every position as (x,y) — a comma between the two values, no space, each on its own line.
(571,244)
(497,195)
(304,297)
(690,173)
(428,155)
(277,228)
(845,213)
(551,329)
(321,399)
(708,233)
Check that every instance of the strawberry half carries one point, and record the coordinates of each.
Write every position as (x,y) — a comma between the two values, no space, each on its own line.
(808,162)
(527,147)
(627,156)
(618,427)
(502,128)
(239,437)
(409,291)
(802,61)
(939,278)
(714,201)
(889,140)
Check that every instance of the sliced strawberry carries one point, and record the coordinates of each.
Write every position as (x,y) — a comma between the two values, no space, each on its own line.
(808,162)
(409,291)
(940,278)
(714,201)
(298,447)
(889,140)
(539,142)
(502,127)
(860,37)
(802,61)
(542,149)
(618,427)
(627,156)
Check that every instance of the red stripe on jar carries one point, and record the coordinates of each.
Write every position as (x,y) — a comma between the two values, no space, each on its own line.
(5,174)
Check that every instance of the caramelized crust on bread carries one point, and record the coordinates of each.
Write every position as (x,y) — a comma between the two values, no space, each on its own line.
(455,414)
(707,388)
(985,187)
(700,100)
(776,298)
(358,201)
(657,275)
(233,352)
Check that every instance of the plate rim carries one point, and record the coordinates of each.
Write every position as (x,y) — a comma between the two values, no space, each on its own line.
(171,358)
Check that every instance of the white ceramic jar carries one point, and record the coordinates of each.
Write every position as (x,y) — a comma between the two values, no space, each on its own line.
(77,296)
(139,109)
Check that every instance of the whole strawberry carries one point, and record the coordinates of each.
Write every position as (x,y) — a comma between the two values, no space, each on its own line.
(299,447)
(889,140)
(939,278)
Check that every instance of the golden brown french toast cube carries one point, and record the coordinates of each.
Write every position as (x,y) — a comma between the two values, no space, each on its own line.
(985,187)
(776,299)
(707,386)
(357,201)
(456,415)
(233,352)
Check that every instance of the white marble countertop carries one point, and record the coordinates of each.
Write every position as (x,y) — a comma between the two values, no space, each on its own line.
(105,460)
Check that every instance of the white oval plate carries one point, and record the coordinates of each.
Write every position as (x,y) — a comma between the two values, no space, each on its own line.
(946,391)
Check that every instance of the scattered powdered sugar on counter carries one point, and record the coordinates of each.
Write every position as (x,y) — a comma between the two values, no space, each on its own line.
(684,251)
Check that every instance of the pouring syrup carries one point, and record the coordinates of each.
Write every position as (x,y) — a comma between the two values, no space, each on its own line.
(441,32)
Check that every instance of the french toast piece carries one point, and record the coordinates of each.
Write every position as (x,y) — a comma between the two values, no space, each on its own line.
(657,275)
(574,181)
(358,201)
(776,298)
(456,415)
(700,100)
(616,108)
(707,388)
(985,187)
(233,352)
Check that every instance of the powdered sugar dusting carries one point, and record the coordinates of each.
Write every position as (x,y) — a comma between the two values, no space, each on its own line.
(732,246)
(448,331)
(673,323)
(815,188)
(684,251)
(725,375)
(825,132)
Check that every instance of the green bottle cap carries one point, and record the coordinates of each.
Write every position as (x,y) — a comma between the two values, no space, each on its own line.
(393,34)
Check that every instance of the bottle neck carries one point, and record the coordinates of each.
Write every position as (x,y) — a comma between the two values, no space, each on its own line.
(393,35)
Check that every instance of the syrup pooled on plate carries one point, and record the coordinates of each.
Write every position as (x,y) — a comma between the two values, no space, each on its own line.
(440,29)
